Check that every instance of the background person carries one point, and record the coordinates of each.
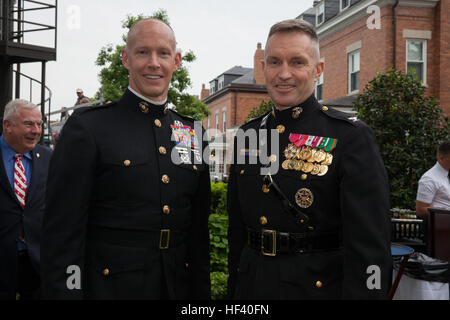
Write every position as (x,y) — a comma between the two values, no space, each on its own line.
(23,174)
(434,186)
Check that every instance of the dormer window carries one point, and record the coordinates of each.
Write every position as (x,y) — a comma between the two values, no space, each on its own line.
(344,4)
(320,15)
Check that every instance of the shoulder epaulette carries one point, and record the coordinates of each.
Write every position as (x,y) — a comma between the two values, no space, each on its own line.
(251,121)
(182,116)
(336,114)
(83,110)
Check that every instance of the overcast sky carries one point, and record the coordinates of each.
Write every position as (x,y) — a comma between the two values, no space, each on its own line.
(222,34)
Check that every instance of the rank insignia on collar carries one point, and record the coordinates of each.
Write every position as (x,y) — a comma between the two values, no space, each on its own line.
(144,107)
(185,142)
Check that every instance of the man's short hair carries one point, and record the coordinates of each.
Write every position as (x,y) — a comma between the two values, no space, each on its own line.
(297,25)
(444,149)
(294,25)
(12,108)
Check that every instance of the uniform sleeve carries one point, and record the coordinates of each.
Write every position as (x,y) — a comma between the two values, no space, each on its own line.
(426,190)
(366,225)
(200,283)
(237,232)
(69,187)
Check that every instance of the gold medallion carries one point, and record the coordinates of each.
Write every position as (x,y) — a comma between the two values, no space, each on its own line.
(311,158)
(307,167)
(323,170)
(316,169)
(320,156)
(329,159)
(281,129)
(305,154)
(285,164)
(304,198)
(291,164)
(299,165)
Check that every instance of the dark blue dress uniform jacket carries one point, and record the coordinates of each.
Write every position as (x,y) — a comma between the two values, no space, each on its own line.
(12,217)
(112,188)
(351,200)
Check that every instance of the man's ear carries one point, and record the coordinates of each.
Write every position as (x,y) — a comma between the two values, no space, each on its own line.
(320,66)
(125,59)
(177,61)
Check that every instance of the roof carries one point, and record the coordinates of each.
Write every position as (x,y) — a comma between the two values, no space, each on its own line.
(238,70)
(247,78)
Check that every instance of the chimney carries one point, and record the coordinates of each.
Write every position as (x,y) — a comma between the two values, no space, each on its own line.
(204,93)
(258,72)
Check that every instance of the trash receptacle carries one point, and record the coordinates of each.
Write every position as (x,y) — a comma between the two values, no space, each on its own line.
(423,267)
(424,278)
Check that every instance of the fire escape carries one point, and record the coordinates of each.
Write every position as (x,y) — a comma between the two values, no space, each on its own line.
(27,35)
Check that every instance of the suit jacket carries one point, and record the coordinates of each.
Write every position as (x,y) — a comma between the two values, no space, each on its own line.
(349,201)
(12,216)
(113,195)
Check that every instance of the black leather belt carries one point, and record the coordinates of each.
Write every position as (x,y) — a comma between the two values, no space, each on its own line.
(271,242)
(161,239)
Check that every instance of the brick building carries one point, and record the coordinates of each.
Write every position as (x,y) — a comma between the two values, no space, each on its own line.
(230,98)
(360,37)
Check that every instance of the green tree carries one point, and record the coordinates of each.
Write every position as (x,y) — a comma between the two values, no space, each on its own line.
(114,76)
(408,126)
(263,108)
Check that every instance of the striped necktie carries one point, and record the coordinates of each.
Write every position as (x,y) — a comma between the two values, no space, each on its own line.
(20,180)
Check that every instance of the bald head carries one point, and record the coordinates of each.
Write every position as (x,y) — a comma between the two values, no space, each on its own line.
(151,25)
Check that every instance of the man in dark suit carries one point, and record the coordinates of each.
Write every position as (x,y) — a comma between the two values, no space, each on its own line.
(128,191)
(23,174)
(310,218)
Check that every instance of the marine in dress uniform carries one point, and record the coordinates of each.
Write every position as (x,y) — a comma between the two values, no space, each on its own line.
(128,193)
(315,223)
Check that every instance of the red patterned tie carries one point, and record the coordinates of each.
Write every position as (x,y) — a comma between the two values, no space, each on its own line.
(20,180)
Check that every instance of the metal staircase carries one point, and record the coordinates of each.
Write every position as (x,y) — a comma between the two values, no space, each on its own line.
(26,38)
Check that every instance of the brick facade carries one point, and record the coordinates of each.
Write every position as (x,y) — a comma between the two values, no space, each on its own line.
(376,47)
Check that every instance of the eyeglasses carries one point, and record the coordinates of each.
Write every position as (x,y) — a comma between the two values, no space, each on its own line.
(30,124)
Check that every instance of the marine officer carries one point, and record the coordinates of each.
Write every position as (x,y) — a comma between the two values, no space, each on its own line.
(128,191)
(309,220)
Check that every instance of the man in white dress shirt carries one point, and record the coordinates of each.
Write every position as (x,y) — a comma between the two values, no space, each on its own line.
(434,186)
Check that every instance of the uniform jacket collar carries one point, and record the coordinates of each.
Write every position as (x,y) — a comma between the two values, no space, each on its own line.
(140,105)
(306,107)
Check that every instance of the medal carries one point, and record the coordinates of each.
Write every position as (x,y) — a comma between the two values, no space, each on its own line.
(307,167)
(285,165)
(320,156)
(329,160)
(311,158)
(316,169)
(304,198)
(323,170)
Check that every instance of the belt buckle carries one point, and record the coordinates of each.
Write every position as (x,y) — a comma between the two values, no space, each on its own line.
(164,239)
(273,233)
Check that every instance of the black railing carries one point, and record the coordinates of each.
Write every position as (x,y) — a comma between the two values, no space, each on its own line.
(14,23)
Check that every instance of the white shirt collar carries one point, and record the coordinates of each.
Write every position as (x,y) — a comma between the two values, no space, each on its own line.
(147,99)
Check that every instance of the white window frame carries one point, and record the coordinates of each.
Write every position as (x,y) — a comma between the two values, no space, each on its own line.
(217,120)
(343,8)
(350,54)
(319,83)
(424,57)
(224,119)
(320,10)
